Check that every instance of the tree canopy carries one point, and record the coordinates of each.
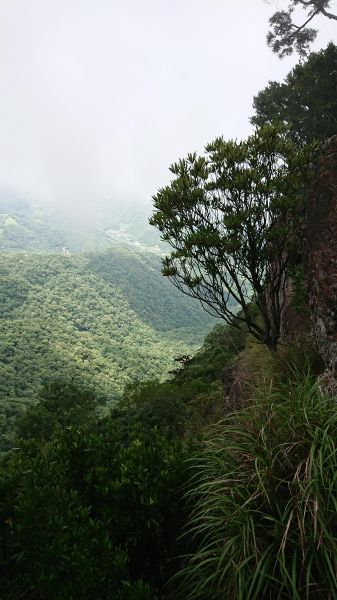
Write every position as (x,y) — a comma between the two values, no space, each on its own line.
(306,101)
(285,35)
(98,321)
(230,217)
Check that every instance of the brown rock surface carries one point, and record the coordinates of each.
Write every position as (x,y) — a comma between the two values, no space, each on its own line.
(250,369)
(321,255)
(294,323)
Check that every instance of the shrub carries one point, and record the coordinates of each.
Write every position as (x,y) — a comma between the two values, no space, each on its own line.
(91,514)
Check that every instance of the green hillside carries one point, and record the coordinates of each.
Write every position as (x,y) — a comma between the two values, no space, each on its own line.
(26,227)
(100,321)
(30,227)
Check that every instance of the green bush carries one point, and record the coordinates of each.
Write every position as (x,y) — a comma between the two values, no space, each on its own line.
(179,408)
(60,405)
(91,514)
(264,497)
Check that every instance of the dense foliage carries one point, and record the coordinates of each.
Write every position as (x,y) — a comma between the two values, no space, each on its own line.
(91,513)
(100,321)
(193,398)
(93,508)
(231,218)
(306,101)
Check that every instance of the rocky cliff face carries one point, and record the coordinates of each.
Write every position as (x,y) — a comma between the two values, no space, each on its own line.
(320,238)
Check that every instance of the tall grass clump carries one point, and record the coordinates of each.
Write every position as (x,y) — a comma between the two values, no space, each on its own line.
(263,501)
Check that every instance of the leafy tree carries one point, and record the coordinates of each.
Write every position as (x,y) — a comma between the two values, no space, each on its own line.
(307,100)
(231,217)
(285,36)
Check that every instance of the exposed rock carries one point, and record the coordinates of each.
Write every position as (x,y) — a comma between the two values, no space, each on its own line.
(240,379)
(327,383)
(234,385)
(321,258)
(294,323)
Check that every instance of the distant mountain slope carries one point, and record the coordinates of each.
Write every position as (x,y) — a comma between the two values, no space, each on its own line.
(33,228)
(157,302)
(100,321)
(26,227)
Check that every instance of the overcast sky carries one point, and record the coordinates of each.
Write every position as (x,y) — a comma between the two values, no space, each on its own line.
(99,97)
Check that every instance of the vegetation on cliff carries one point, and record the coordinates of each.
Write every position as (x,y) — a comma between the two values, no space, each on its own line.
(263,499)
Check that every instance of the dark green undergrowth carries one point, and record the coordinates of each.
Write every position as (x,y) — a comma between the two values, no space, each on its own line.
(92,507)
(91,514)
(263,500)
(97,507)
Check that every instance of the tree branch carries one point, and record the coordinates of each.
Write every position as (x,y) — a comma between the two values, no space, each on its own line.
(299,28)
(327,14)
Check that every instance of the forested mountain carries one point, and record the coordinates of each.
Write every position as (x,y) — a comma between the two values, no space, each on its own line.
(98,320)
(26,226)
